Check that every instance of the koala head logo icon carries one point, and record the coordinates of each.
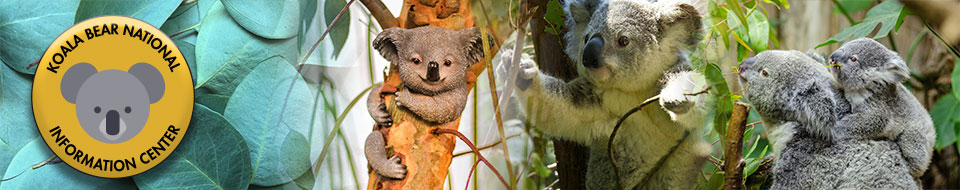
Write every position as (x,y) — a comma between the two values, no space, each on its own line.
(112,105)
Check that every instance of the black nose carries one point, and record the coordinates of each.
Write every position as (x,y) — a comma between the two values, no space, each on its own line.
(592,53)
(747,63)
(433,71)
(113,122)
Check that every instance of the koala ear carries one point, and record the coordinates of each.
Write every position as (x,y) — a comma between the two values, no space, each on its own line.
(151,79)
(386,43)
(578,12)
(73,78)
(898,67)
(474,41)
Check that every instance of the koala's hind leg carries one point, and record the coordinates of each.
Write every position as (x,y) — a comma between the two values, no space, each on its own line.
(376,153)
(917,150)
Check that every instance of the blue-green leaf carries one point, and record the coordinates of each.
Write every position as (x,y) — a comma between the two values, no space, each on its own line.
(271,123)
(182,19)
(17,126)
(150,11)
(226,52)
(28,27)
(944,114)
(213,156)
(338,33)
(215,102)
(888,14)
(52,176)
(273,19)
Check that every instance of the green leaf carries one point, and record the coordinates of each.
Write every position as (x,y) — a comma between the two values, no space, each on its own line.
(338,33)
(262,110)
(721,94)
(555,17)
(751,165)
(888,14)
(150,11)
(304,182)
(214,156)
(215,102)
(182,19)
(734,6)
(274,19)
(955,77)
(28,27)
(852,6)
(944,114)
(759,31)
(718,15)
(226,52)
(17,126)
(716,181)
(52,176)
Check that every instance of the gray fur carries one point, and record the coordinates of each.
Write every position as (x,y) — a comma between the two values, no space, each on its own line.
(112,105)
(882,108)
(438,101)
(801,106)
(618,78)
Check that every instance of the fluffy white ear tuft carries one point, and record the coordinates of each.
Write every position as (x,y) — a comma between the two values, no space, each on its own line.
(898,68)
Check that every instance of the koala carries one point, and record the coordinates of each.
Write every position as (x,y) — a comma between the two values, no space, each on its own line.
(112,105)
(882,108)
(626,51)
(432,64)
(801,106)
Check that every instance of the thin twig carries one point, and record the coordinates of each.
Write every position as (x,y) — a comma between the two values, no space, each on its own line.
(484,147)
(610,150)
(438,131)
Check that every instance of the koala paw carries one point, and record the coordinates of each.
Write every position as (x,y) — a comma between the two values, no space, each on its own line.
(394,169)
(528,72)
(381,116)
(675,102)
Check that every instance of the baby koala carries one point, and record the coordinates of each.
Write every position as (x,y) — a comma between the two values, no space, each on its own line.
(870,77)
(799,102)
(432,64)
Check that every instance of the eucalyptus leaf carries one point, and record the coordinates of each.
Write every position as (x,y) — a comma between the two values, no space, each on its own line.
(28,27)
(304,182)
(189,55)
(338,33)
(150,11)
(945,113)
(263,109)
(213,155)
(52,176)
(717,16)
(955,78)
(182,19)
(759,31)
(721,94)
(226,52)
(17,126)
(215,102)
(888,14)
(852,6)
(273,19)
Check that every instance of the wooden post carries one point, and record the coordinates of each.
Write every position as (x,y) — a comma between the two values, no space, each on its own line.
(733,148)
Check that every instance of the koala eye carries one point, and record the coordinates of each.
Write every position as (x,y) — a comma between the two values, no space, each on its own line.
(416,61)
(127,109)
(96,109)
(623,41)
(853,58)
(764,72)
(447,63)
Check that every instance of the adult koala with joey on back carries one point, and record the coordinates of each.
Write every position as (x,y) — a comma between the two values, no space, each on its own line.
(626,52)
(801,106)
(882,108)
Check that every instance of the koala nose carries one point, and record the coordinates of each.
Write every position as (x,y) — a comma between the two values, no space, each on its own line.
(433,72)
(592,53)
(834,58)
(113,122)
(746,64)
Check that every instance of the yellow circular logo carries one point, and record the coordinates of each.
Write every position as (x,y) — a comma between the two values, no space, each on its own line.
(112,96)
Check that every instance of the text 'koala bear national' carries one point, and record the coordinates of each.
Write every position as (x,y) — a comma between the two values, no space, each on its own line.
(112,105)
(626,51)
(432,64)
(801,106)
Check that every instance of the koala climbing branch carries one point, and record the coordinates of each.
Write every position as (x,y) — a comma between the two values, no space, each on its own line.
(438,131)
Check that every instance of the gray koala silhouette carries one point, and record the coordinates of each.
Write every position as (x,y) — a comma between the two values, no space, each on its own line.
(112,105)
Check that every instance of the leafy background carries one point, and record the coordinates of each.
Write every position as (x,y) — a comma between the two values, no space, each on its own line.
(256,117)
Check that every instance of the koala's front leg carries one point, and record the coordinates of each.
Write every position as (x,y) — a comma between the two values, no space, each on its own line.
(570,110)
(441,108)
(376,153)
(377,109)
(679,95)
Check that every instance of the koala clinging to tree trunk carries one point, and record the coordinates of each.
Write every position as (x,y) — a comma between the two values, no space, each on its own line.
(882,108)
(626,52)
(801,107)
(433,64)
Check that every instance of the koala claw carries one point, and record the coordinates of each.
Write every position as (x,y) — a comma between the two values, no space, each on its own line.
(381,116)
(394,169)
(675,103)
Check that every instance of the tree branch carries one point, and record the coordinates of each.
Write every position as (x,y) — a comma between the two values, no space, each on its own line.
(380,12)
(733,147)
